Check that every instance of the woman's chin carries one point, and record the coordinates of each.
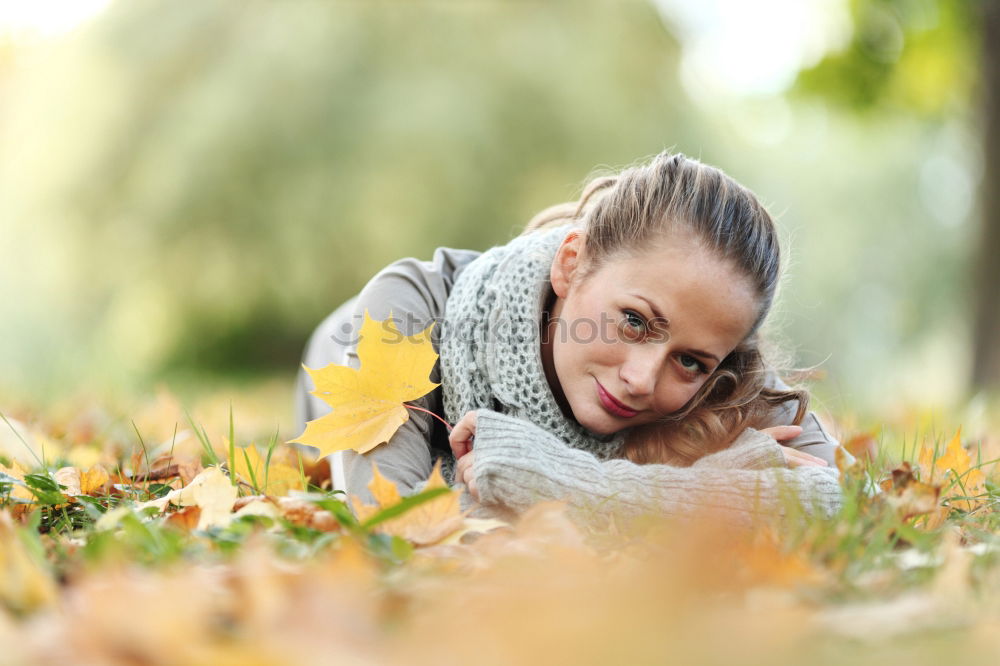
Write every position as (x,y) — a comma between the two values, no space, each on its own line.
(602,424)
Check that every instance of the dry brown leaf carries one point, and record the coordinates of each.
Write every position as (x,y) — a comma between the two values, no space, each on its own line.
(168,465)
(303,512)
(907,495)
(185,519)
(863,447)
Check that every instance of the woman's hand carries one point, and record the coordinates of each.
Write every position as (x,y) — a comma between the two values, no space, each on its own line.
(793,457)
(462,434)
(461,438)
(463,473)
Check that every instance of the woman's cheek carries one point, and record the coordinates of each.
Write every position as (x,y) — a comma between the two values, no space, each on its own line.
(676,397)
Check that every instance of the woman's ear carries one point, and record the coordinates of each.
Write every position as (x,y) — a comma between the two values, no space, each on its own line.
(567,262)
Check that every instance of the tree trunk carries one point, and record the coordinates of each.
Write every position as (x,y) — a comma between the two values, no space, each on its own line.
(986,285)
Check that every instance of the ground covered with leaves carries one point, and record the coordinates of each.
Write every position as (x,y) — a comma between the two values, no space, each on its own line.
(162,534)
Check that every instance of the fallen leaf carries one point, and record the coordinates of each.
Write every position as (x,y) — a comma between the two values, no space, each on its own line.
(211,491)
(185,519)
(184,467)
(863,447)
(908,495)
(368,403)
(214,496)
(258,507)
(439,520)
(307,514)
(69,477)
(94,480)
(955,465)
(274,478)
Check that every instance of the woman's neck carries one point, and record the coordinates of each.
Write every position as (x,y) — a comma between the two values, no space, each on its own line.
(549,328)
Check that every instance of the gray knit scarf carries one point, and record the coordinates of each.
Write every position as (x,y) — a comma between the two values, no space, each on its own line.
(490,347)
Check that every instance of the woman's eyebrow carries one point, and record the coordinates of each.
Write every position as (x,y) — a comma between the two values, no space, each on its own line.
(652,306)
(703,354)
(658,314)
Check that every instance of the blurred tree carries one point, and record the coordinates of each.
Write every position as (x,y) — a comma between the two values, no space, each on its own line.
(929,57)
(224,173)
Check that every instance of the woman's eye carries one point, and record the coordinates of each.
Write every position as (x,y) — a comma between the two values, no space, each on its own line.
(634,325)
(691,364)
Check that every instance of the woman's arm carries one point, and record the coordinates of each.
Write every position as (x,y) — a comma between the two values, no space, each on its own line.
(517,464)
(414,293)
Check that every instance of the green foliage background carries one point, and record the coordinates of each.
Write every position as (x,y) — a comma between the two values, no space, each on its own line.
(186,189)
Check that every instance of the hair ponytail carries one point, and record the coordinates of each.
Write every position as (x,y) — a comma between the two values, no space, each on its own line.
(571,211)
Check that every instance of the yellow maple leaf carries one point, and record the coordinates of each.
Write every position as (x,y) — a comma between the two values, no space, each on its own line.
(279,477)
(957,463)
(368,403)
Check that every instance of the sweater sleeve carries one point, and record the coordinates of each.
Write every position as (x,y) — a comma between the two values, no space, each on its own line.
(751,450)
(518,464)
(815,439)
(414,294)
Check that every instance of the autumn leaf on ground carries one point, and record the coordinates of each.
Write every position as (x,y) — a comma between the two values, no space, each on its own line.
(269,477)
(80,482)
(955,467)
(293,509)
(908,496)
(211,491)
(439,520)
(863,447)
(368,403)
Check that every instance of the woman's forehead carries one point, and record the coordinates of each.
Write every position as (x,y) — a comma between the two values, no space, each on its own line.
(690,286)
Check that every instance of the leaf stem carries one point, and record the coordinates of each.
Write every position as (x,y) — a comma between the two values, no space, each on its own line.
(427,411)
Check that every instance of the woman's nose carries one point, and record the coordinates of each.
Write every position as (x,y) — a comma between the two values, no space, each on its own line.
(638,373)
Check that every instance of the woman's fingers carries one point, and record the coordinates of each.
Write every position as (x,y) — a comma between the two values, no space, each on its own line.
(783,433)
(464,474)
(793,457)
(796,458)
(462,434)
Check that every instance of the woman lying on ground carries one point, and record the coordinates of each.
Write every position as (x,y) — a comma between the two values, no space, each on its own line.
(609,357)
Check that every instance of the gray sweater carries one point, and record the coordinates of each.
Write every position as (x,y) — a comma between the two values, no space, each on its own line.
(518,463)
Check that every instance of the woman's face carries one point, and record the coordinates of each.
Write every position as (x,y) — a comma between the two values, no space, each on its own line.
(634,340)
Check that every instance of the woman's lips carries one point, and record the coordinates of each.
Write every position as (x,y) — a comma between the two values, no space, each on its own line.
(612,405)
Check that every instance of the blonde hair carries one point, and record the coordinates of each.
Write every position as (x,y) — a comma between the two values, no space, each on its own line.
(674,193)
